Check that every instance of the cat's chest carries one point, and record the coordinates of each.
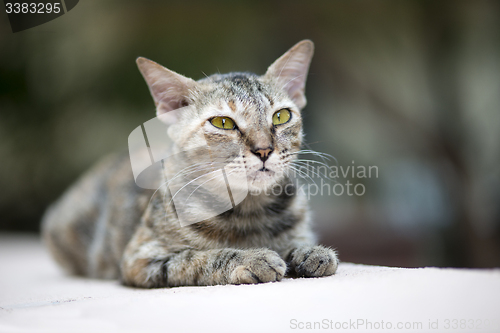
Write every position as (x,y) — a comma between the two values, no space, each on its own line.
(240,232)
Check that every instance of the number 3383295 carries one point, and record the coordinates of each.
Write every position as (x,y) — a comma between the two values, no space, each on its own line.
(32,8)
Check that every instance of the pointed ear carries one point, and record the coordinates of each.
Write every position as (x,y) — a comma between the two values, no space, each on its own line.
(169,89)
(291,69)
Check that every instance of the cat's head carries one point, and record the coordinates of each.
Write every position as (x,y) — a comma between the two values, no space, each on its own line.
(257,116)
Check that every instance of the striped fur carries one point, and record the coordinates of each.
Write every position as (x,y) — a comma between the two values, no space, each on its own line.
(105,226)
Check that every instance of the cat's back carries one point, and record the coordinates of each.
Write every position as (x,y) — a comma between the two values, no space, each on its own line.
(87,229)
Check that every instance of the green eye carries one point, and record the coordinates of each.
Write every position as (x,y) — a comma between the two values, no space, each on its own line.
(223,123)
(282,116)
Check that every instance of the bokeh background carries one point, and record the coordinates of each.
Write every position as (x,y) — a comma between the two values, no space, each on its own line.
(412,87)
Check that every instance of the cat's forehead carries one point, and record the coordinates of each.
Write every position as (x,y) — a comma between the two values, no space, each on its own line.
(241,89)
(236,84)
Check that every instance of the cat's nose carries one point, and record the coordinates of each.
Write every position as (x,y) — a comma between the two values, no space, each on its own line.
(263,153)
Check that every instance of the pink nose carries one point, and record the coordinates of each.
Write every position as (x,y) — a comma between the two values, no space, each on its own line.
(263,153)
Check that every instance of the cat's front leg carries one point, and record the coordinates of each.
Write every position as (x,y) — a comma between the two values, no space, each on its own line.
(311,261)
(153,265)
(252,266)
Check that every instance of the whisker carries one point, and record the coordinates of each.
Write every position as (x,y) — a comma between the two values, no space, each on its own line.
(291,81)
(323,156)
(317,162)
(311,169)
(302,173)
(282,68)
(313,152)
(190,183)
(205,183)
(183,173)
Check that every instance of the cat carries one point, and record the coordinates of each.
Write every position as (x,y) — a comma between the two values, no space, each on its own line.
(105,226)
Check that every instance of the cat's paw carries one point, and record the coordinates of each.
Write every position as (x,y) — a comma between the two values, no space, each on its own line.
(258,266)
(313,261)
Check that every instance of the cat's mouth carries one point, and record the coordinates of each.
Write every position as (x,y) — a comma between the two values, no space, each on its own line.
(262,178)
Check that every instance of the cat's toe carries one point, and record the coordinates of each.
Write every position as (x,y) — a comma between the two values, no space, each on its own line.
(314,262)
(258,267)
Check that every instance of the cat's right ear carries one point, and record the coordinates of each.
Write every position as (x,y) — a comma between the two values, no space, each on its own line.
(170,90)
(290,70)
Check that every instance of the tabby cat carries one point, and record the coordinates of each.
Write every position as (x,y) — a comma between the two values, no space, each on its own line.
(106,226)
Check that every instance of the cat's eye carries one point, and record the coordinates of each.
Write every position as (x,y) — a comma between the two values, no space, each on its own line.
(223,123)
(282,116)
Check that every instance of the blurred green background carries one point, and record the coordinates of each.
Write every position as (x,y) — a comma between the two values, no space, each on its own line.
(412,87)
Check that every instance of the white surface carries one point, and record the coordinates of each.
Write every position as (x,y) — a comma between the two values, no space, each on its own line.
(35,296)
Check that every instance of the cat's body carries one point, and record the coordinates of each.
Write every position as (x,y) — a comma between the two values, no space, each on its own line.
(108,227)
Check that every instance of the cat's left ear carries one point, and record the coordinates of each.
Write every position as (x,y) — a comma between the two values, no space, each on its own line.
(291,71)
(169,89)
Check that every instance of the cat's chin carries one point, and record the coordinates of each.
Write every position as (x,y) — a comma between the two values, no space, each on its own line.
(262,180)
